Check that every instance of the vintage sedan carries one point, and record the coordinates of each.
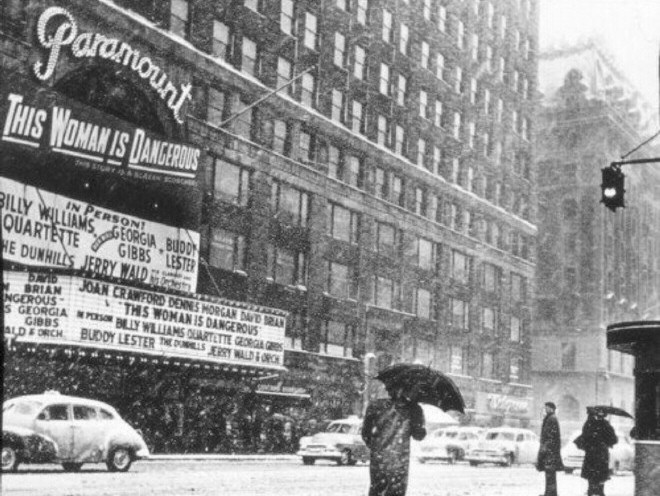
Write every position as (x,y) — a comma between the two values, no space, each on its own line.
(54,428)
(341,442)
(622,454)
(449,444)
(505,446)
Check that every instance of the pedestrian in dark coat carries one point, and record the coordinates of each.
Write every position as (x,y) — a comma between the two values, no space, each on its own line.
(596,440)
(549,457)
(388,426)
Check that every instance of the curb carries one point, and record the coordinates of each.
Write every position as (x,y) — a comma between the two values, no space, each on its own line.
(223,457)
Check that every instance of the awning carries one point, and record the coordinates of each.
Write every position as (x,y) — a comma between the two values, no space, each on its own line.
(299,396)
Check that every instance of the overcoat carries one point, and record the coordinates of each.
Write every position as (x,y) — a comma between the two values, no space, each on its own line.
(549,457)
(596,440)
(387,428)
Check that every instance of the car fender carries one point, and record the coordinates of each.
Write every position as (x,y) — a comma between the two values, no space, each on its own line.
(122,438)
(31,446)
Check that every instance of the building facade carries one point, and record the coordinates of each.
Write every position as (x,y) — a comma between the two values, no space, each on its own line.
(594,266)
(383,197)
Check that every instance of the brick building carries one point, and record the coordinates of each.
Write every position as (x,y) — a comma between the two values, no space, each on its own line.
(594,266)
(385,197)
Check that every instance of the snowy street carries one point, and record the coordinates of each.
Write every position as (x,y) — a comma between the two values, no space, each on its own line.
(288,478)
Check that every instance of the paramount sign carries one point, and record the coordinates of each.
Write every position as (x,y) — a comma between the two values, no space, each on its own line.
(57,28)
(95,139)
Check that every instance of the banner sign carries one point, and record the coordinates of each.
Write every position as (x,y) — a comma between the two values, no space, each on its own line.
(45,308)
(43,229)
(503,403)
(93,139)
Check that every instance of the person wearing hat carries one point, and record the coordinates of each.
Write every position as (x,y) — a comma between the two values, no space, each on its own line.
(596,440)
(549,457)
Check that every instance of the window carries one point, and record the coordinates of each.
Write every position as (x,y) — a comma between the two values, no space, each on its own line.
(404,38)
(502,26)
(105,415)
(344,223)
(280,137)
(287,267)
(473,91)
(243,123)
(221,38)
(423,104)
(401,90)
(308,90)
(437,160)
(460,267)
(284,73)
(337,105)
(216,107)
(456,360)
(249,57)
(386,292)
(474,47)
(305,147)
(286,17)
(384,82)
(358,64)
(486,365)
(426,9)
(458,80)
(179,17)
(455,170)
(515,329)
(385,238)
(421,152)
(460,34)
(338,339)
(515,368)
(335,169)
(290,204)
(486,100)
(425,55)
(399,140)
(340,49)
(342,281)
(354,172)
(438,114)
(486,144)
(459,314)
(382,189)
(357,124)
(442,18)
(227,250)
(81,412)
(387,26)
(568,356)
(489,58)
(420,201)
(55,412)
(499,110)
(491,280)
(231,183)
(310,31)
(440,66)
(488,320)
(423,303)
(501,68)
(361,13)
(490,15)
(252,4)
(342,4)
(425,258)
(472,132)
(398,195)
(456,129)
(517,287)
(383,131)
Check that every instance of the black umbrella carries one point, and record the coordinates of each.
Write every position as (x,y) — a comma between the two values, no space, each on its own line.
(423,384)
(609,410)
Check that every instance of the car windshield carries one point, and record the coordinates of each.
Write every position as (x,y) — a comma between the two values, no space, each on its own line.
(21,407)
(340,428)
(500,436)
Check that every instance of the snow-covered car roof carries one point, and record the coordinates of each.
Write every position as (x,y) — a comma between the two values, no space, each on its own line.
(51,397)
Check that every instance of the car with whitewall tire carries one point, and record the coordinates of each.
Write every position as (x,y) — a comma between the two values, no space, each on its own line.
(341,442)
(505,446)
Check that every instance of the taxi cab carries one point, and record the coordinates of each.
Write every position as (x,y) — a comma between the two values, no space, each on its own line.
(341,442)
(54,428)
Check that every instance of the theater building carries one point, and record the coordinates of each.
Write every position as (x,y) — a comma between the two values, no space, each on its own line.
(382,199)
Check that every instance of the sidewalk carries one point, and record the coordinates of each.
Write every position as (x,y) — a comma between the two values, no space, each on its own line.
(226,457)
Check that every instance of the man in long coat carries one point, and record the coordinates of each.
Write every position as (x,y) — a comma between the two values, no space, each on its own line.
(596,440)
(549,458)
(388,425)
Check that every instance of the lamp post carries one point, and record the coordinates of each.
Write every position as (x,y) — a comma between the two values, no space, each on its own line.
(369,362)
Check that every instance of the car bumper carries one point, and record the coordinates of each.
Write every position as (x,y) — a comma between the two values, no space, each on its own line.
(486,457)
(437,454)
(573,462)
(326,453)
(142,454)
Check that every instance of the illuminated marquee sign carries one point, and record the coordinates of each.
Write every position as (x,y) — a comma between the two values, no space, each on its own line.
(42,229)
(503,403)
(45,308)
(57,28)
(93,139)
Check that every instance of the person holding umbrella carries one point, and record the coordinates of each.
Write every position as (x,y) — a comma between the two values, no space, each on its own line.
(596,440)
(549,457)
(390,423)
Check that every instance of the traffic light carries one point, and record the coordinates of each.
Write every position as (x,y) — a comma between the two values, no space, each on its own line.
(612,188)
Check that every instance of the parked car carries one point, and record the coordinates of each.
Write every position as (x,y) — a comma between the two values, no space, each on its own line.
(622,454)
(54,428)
(449,444)
(340,442)
(505,446)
